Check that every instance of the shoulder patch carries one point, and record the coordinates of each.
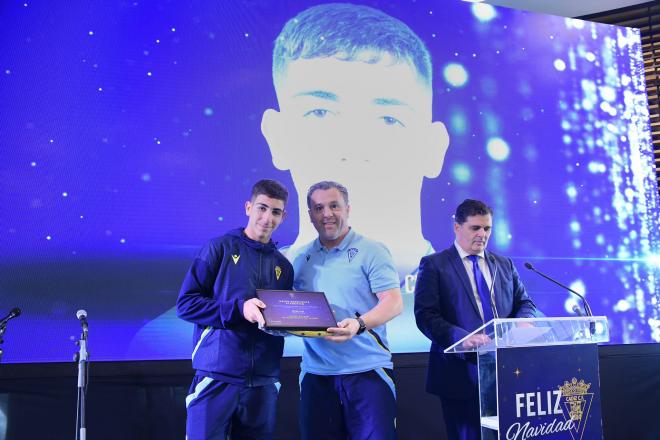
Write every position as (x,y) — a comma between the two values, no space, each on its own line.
(352,252)
(235,257)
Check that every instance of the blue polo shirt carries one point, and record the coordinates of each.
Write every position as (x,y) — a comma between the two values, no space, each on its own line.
(350,275)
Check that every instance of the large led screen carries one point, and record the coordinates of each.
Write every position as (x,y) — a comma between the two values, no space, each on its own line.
(131,133)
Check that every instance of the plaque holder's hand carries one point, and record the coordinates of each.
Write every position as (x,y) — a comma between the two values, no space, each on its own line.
(344,331)
(252,311)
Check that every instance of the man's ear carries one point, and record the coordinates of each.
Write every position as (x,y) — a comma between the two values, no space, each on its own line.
(436,148)
(273,127)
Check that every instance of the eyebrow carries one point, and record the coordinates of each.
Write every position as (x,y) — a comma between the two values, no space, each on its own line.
(266,206)
(391,101)
(321,94)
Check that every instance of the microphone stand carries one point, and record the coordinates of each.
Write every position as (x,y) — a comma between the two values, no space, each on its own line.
(493,304)
(82,358)
(587,308)
(3,327)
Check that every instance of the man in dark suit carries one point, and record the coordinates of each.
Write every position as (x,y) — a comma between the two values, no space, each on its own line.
(452,299)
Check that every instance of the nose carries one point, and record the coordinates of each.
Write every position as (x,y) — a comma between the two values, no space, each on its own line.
(268,216)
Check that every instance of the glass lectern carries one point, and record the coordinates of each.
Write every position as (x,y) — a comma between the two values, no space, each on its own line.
(538,377)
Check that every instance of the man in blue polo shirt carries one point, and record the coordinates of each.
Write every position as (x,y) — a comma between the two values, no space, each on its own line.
(346,384)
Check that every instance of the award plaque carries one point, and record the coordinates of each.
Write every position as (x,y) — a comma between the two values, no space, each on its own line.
(301,313)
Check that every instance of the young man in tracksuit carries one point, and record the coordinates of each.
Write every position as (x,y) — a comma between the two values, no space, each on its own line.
(234,391)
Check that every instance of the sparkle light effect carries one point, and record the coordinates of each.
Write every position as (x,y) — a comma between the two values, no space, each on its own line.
(617,146)
(498,149)
(484,12)
(462,173)
(458,123)
(455,74)
(559,64)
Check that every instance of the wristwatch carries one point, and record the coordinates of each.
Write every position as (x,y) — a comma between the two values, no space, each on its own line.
(363,326)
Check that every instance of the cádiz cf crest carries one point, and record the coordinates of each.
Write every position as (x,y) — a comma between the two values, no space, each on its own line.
(278,272)
(352,252)
(577,402)
(235,258)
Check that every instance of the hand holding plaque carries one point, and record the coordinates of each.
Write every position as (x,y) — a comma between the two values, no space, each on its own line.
(252,311)
(305,314)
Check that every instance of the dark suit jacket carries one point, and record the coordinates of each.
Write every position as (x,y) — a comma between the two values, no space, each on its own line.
(446,311)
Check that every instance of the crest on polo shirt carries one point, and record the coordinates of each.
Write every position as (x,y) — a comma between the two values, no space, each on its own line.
(352,252)
(278,272)
(235,257)
(308,257)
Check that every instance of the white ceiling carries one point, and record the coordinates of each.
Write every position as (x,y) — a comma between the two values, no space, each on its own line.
(566,8)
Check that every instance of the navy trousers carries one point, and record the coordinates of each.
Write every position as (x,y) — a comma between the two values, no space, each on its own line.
(216,410)
(462,418)
(357,406)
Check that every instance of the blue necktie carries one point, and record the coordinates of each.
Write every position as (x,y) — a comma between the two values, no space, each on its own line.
(482,288)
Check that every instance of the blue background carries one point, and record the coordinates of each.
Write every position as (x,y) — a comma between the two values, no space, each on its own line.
(130,134)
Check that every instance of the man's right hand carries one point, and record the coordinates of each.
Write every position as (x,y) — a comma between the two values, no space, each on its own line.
(344,331)
(475,341)
(252,311)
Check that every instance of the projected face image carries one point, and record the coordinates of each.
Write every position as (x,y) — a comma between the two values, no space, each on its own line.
(365,124)
(353,120)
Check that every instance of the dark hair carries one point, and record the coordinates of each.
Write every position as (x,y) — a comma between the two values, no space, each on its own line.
(349,32)
(270,188)
(325,185)
(471,207)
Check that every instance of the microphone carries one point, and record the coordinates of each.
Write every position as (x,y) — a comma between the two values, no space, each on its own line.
(82,317)
(587,309)
(12,314)
(577,310)
(492,288)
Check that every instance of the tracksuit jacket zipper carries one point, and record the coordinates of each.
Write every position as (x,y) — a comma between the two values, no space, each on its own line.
(252,338)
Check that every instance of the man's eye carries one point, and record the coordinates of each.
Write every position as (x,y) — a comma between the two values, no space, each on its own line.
(317,112)
(389,120)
